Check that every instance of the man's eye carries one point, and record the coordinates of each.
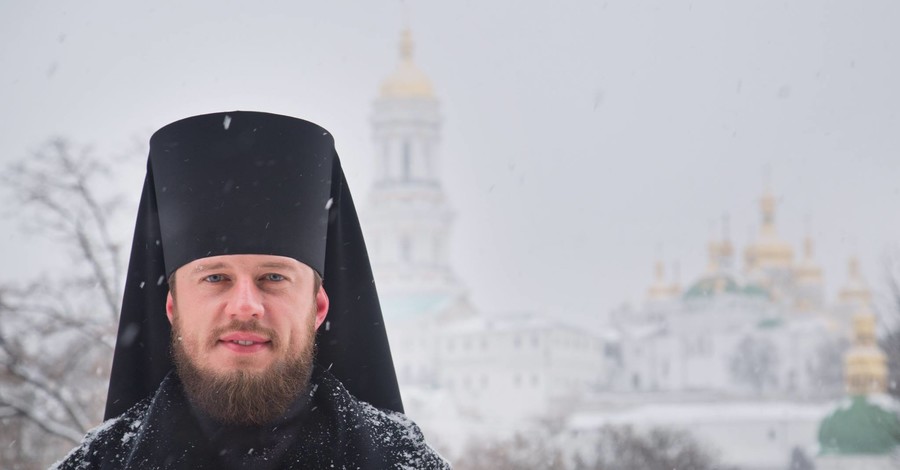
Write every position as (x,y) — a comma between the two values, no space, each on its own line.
(274,277)
(214,278)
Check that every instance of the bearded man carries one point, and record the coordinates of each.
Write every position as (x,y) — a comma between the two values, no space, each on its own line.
(242,359)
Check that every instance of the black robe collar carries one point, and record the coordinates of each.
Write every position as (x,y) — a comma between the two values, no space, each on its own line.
(326,428)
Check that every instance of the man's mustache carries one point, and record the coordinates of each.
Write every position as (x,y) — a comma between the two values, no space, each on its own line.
(245,326)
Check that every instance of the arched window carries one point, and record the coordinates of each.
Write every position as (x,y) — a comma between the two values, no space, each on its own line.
(407,161)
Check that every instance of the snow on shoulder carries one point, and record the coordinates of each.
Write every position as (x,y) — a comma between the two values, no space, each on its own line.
(397,431)
(85,444)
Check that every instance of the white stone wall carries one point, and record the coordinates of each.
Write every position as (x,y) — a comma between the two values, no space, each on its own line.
(691,347)
(519,372)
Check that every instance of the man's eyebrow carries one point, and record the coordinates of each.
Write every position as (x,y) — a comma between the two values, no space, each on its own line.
(204,267)
(278,265)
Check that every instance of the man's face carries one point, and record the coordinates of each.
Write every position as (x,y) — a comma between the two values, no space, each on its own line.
(240,320)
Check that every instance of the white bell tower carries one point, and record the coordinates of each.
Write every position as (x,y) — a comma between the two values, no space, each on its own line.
(408,219)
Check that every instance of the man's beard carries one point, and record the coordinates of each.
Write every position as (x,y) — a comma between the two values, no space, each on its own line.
(240,397)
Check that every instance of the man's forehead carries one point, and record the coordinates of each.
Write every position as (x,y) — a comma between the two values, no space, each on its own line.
(244,261)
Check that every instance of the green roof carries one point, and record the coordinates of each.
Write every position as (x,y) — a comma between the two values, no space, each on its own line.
(756,290)
(861,428)
(706,287)
(768,323)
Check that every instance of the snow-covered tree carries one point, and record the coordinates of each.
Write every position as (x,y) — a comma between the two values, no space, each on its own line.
(621,448)
(890,318)
(524,451)
(57,330)
(826,369)
(609,448)
(800,461)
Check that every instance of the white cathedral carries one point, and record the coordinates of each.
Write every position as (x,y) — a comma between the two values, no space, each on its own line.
(748,357)
(764,330)
(751,360)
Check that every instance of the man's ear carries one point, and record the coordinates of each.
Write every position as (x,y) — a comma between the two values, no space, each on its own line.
(322,303)
(170,306)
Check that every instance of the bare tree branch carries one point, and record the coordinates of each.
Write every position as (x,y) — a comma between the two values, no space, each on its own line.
(48,425)
(56,332)
(60,396)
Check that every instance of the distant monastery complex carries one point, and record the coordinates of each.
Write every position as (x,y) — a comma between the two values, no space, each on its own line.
(749,356)
(764,330)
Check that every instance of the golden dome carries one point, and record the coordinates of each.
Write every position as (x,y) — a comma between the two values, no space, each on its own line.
(726,248)
(720,252)
(807,271)
(768,251)
(407,81)
(855,291)
(866,371)
(865,363)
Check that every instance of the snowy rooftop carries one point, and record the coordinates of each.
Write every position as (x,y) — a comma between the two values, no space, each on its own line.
(511,322)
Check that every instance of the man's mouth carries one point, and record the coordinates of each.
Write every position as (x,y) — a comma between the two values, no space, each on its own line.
(244,342)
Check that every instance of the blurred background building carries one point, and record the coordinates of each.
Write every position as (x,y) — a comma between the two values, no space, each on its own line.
(746,357)
(512,366)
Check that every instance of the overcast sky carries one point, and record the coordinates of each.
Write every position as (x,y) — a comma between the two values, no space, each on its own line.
(580,139)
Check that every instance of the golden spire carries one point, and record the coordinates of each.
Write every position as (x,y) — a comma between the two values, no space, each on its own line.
(808,272)
(856,290)
(719,252)
(407,81)
(865,364)
(659,290)
(768,251)
(767,204)
(808,279)
(712,249)
(726,249)
(675,287)
(406,45)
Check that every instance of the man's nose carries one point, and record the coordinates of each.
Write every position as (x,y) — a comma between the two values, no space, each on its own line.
(245,301)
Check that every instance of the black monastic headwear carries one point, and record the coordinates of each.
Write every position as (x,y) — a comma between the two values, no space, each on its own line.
(250,183)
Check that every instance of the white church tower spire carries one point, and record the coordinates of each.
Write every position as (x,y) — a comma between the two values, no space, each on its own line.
(408,219)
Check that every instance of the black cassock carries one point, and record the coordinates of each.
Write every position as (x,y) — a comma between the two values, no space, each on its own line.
(325,428)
